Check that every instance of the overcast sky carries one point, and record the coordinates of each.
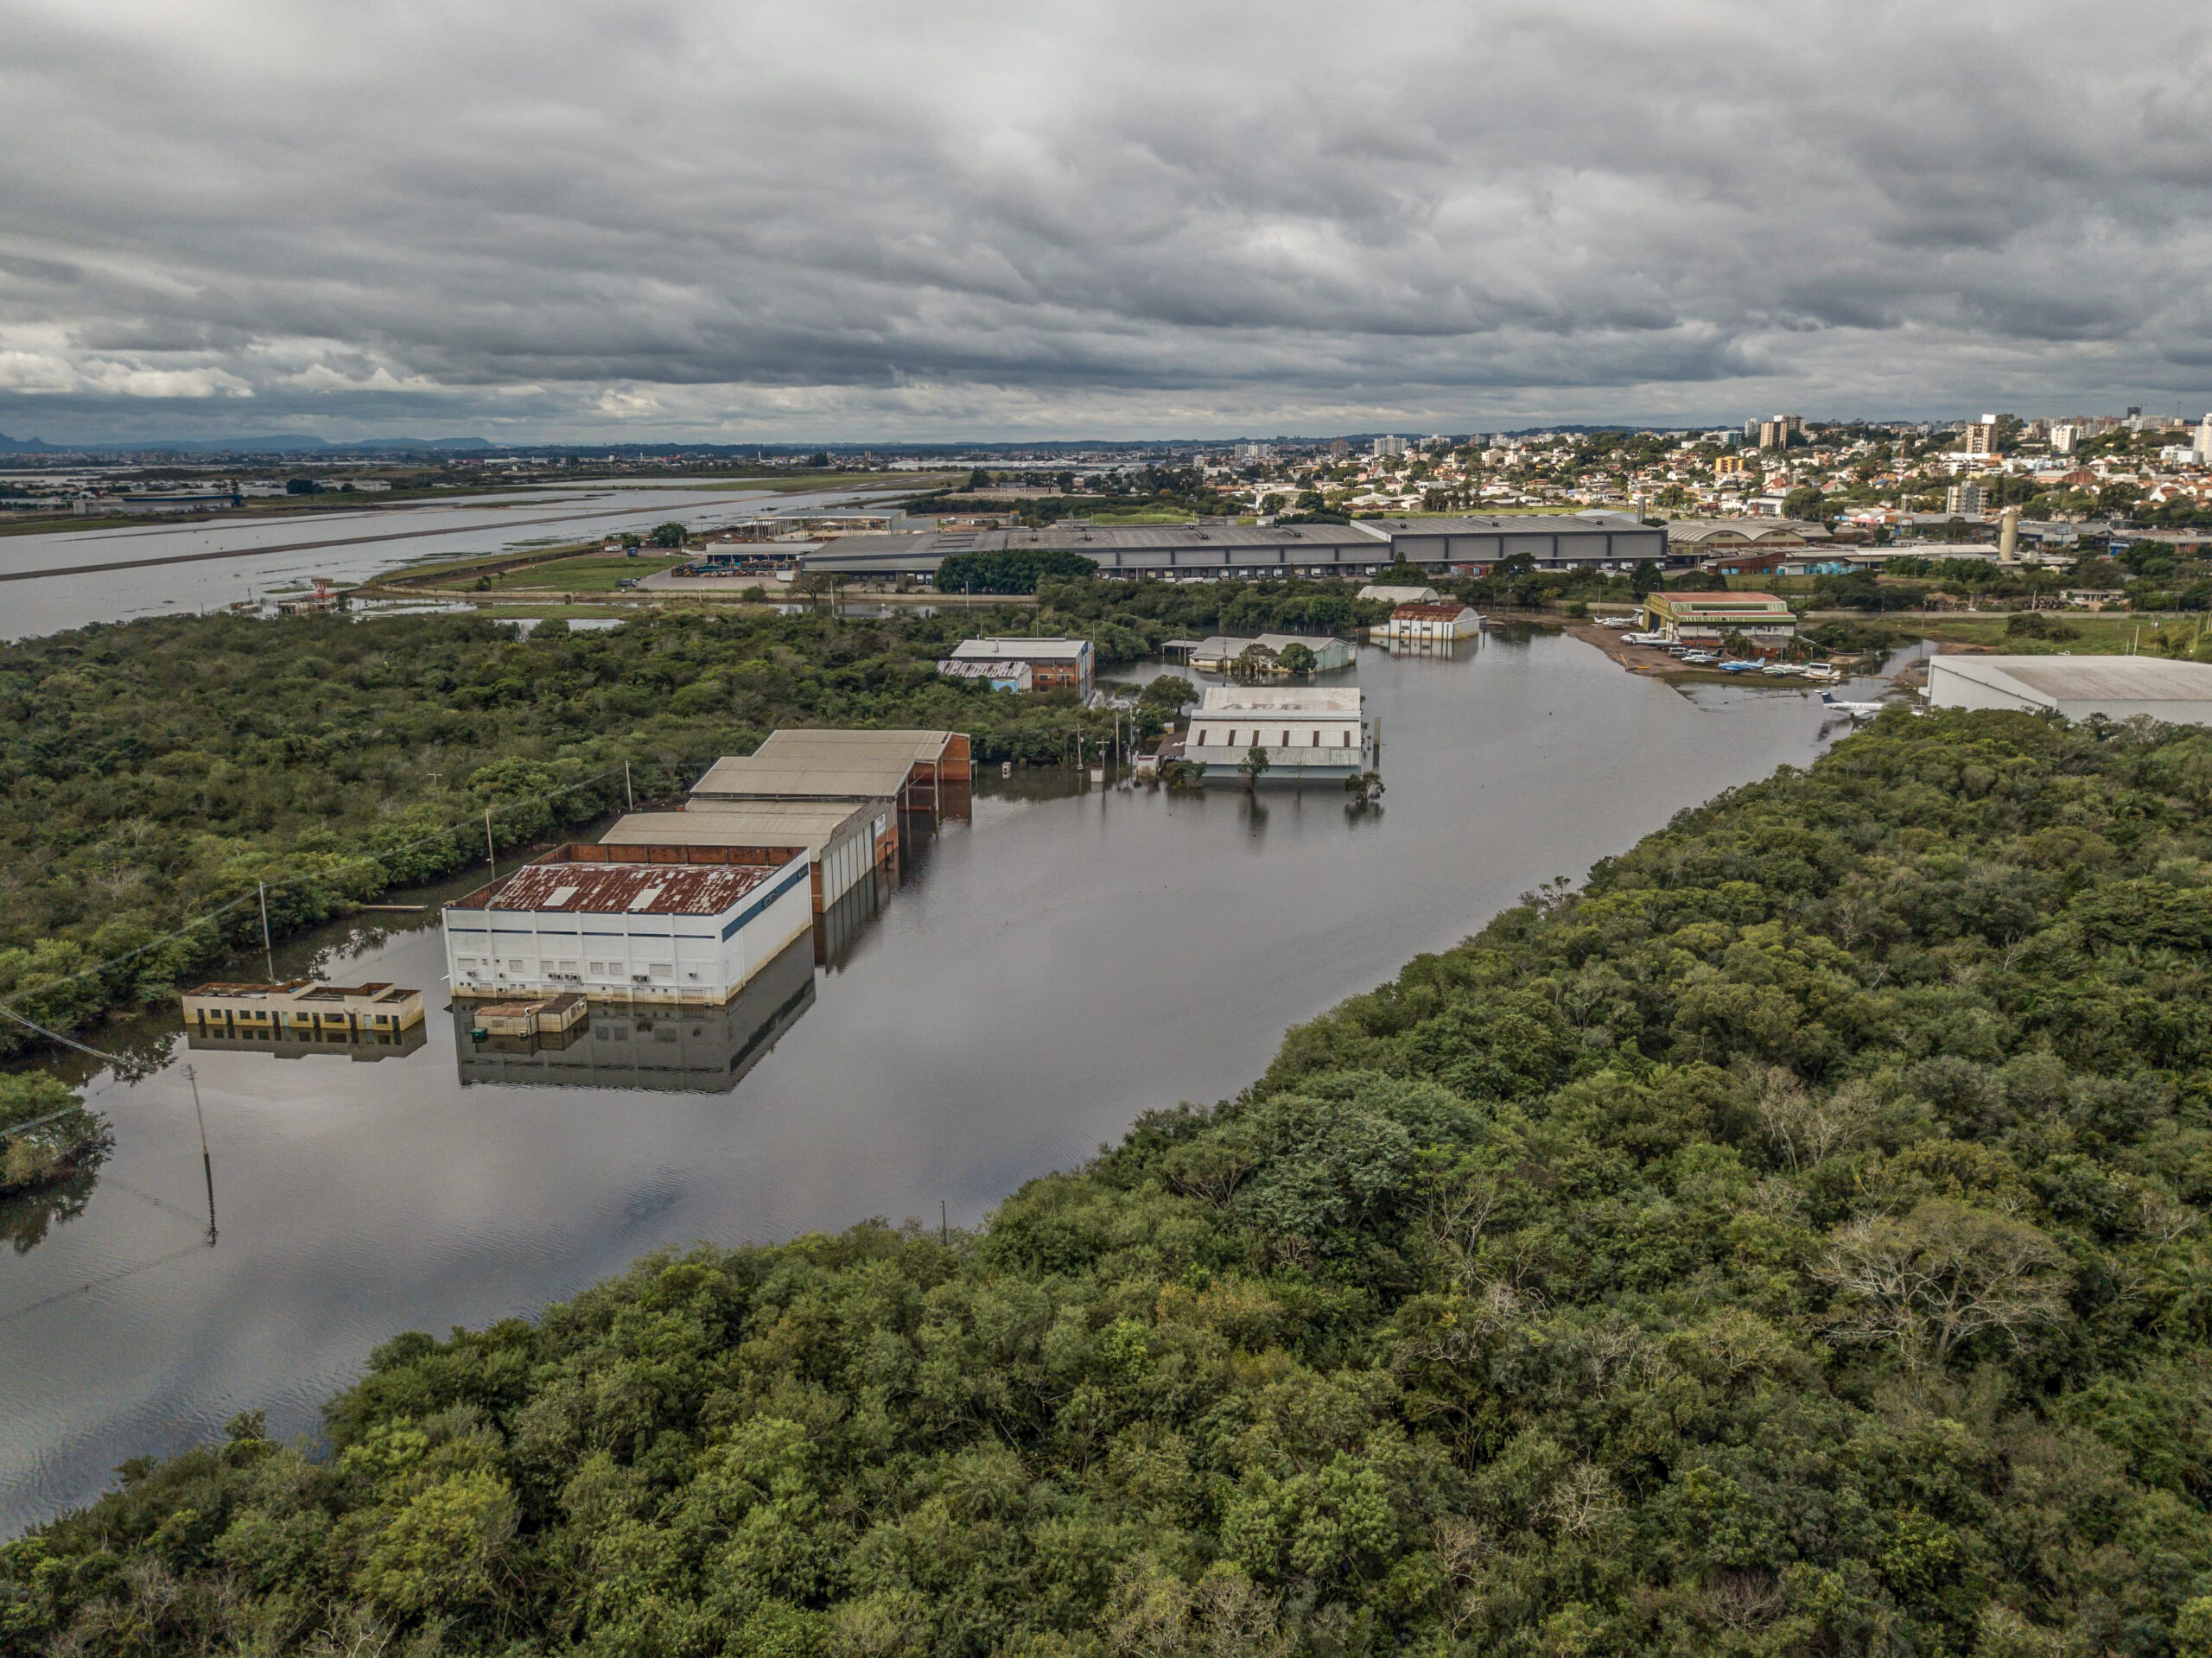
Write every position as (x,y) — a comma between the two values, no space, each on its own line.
(729,221)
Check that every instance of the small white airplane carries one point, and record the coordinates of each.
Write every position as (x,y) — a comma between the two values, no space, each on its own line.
(1856,710)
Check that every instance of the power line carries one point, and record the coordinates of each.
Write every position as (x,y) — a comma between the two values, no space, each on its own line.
(261,889)
(66,1041)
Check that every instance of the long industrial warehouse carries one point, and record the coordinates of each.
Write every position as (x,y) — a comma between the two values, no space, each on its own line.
(1207,552)
(580,920)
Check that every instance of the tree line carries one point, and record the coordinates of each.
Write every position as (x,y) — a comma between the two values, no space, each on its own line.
(159,771)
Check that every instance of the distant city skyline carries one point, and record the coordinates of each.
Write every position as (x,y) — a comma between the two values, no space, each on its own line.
(692,221)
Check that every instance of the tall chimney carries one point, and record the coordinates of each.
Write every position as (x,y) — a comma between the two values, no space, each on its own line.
(2008,536)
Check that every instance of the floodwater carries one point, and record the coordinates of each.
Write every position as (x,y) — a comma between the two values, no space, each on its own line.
(1049,969)
(166,567)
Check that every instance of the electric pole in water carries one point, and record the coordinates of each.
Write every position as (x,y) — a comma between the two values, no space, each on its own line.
(206,1164)
(268,949)
(491,856)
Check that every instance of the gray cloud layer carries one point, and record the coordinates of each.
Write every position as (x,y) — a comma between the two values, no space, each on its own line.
(676,217)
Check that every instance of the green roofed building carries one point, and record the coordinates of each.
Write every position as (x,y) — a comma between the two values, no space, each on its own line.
(1761,618)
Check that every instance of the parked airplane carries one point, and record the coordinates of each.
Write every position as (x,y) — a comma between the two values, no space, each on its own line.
(1856,710)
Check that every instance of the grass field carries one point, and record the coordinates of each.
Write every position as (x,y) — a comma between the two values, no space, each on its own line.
(2089,634)
(585,573)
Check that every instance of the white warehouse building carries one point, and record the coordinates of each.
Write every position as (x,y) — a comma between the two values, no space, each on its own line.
(684,934)
(2119,687)
(1306,731)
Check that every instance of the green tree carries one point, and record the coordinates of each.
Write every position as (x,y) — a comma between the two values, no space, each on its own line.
(671,535)
(1298,660)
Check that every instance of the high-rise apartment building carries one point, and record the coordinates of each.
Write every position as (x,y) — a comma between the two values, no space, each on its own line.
(1963,500)
(1981,435)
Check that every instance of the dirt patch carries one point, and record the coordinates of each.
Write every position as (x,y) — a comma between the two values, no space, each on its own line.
(1641,658)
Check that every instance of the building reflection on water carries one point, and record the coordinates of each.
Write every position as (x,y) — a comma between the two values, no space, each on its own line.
(1432,649)
(292,1044)
(683,1050)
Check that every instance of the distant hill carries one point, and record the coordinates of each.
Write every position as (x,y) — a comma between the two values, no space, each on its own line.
(276,444)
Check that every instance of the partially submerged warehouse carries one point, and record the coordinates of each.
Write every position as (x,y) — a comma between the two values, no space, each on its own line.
(922,771)
(627,932)
(686,906)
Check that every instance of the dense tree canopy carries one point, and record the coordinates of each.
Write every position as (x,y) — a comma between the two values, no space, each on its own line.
(1791,1242)
(153,772)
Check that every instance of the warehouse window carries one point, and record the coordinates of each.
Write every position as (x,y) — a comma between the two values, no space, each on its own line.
(662,970)
(1316,743)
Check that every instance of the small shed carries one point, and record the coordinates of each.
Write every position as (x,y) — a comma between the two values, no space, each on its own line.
(549,1016)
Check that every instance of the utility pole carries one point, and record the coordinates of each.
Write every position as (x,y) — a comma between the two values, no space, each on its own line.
(943,1224)
(490,855)
(627,793)
(268,948)
(207,1163)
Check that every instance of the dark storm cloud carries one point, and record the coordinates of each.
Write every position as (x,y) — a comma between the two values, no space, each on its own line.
(686,217)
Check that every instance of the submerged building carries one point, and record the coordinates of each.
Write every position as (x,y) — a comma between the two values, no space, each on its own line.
(1306,731)
(848,841)
(300,1005)
(922,771)
(1219,653)
(688,932)
(1445,620)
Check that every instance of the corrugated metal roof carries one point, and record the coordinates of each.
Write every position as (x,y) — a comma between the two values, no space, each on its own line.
(2068,679)
(1280,699)
(855,778)
(740,823)
(810,745)
(1440,613)
(637,889)
(1511,523)
(807,763)
(1019,649)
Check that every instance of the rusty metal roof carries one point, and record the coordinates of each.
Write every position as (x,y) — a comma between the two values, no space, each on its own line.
(633,889)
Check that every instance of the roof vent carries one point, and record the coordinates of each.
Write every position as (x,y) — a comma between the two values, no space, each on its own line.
(644,899)
(559,896)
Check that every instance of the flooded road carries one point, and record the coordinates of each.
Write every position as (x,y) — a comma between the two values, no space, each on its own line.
(72,577)
(1051,968)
